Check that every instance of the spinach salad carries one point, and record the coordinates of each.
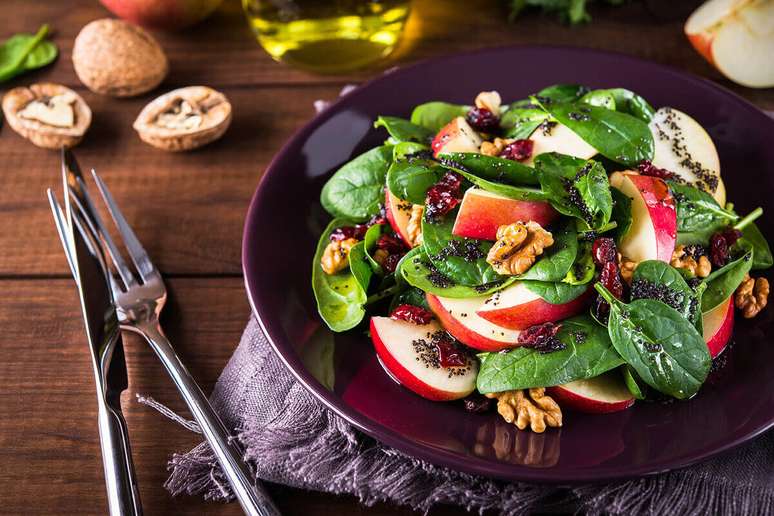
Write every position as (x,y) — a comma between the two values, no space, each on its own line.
(572,250)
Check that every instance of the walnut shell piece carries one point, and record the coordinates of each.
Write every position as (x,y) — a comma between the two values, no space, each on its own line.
(49,115)
(116,58)
(184,119)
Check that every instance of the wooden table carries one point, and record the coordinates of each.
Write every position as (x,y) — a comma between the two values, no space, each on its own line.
(188,211)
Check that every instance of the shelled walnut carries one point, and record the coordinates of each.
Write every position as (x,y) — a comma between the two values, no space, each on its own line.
(518,246)
(49,115)
(528,407)
(414,226)
(335,258)
(752,296)
(698,267)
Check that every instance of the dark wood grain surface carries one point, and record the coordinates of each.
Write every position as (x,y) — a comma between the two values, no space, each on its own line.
(188,210)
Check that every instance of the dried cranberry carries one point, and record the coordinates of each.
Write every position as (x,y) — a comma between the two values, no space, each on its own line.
(391,262)
(610,278)
(519,150)
(477,403)
(412,314)
(482,119)
(731,235)
(541,337)
(449,352)
(647,168)
(391,244)
(443,196)
(719,252)
(603,251)
(357,232)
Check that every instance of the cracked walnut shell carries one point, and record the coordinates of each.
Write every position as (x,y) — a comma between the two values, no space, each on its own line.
(518,246)
(184,119)
(116,58)
(49,115)
(528,407)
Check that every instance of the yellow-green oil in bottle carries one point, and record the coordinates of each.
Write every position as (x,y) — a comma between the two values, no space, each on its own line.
(327,36)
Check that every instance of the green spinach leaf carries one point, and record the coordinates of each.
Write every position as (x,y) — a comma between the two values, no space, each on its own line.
(356,190)
(561,93)
(409,180)
(601,98)
(369,244)
(556,293)
(753,238)
(588,353)
(409,296)
(340,297)
(698,214)
(557,259)
(665,349)
(404,150)
(634,383)
(360,266)
(654,279)
(492,168)
(722,283)
(520,122)
(627,101)
(582,270)
(435,115)
(24,52)
(404,131)
(521,193)
(622,213)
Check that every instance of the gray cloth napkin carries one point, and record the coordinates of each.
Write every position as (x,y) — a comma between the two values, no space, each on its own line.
(292,439)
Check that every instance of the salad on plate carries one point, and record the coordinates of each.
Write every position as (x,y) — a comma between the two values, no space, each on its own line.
(573,250)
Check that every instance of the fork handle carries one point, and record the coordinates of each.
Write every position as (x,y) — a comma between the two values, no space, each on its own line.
(250,493)
(120,481)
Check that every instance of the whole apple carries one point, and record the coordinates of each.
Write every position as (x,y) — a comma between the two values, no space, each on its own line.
(162,14)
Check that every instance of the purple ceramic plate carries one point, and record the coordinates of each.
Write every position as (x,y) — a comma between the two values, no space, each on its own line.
(285,220)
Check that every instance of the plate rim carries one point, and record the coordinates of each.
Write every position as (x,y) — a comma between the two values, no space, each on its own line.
(437,456)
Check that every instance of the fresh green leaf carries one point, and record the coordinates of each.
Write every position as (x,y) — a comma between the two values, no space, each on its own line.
(369,245)
(633,382)
(753,238)
(617,136)
(520,122)
(627,101)
(521,193)
(492,168)
(556,293)
(722,283)
(665,349)
(654,279)
(340,298)
(588,353)
(622,213)
(360,266)
(409,296)
(562,93)
(356,190)
(20,53)
(404,131)
(601,98)
(435,115)
(582,270)
(698,214)
(409,180)
(557,259)
(405,150)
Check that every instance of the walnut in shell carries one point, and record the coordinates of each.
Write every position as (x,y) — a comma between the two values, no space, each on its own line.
(49,115)
(184,119)
(115,58)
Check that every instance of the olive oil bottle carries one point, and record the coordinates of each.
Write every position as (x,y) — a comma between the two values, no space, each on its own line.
(327,36)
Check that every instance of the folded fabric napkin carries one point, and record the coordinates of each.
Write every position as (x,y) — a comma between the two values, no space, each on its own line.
(292,439)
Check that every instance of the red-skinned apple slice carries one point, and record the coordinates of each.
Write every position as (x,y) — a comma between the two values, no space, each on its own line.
(682,146)
(653,232)
(398,214)
(559,138)
(718,325)
(458,317)
(601,394)
(456,136)
(394,340)
(518,308)
(482,212)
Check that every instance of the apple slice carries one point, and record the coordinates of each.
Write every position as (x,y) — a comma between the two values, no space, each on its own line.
(458,317)
(653,232)
(701,25)
(482,212)
(683,146)
(398,214)
(456,136)
(718,325)
(602,394)
(407,363)
(518,308)
(559,138)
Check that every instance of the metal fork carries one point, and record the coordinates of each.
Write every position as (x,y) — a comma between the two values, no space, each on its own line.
(140,299)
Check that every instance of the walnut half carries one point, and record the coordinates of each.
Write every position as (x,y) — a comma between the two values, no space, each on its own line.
(528,407)
(752,296)
(335,258)
(49,115)
(518,246)
(184,119)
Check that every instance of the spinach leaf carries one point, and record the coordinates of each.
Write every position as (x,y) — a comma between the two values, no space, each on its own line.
(753,238)
(588,353)
(419,272)
(491,168)
(576,187)
(369,244)
(360,266)
(722,282)
(601,98)
(356,190)
(698,214)
(561,93)
(634,383)
(521,122)
(617,136)
(557,260)
(582,270)
(622,213)
(556,293)
(627,101)
(435,115)
(24,52)
(404,131)
(654,279)
(462,260)
(404,150)
(409,296)
(522,193)
(409,180)
(665,349)
(340,297)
